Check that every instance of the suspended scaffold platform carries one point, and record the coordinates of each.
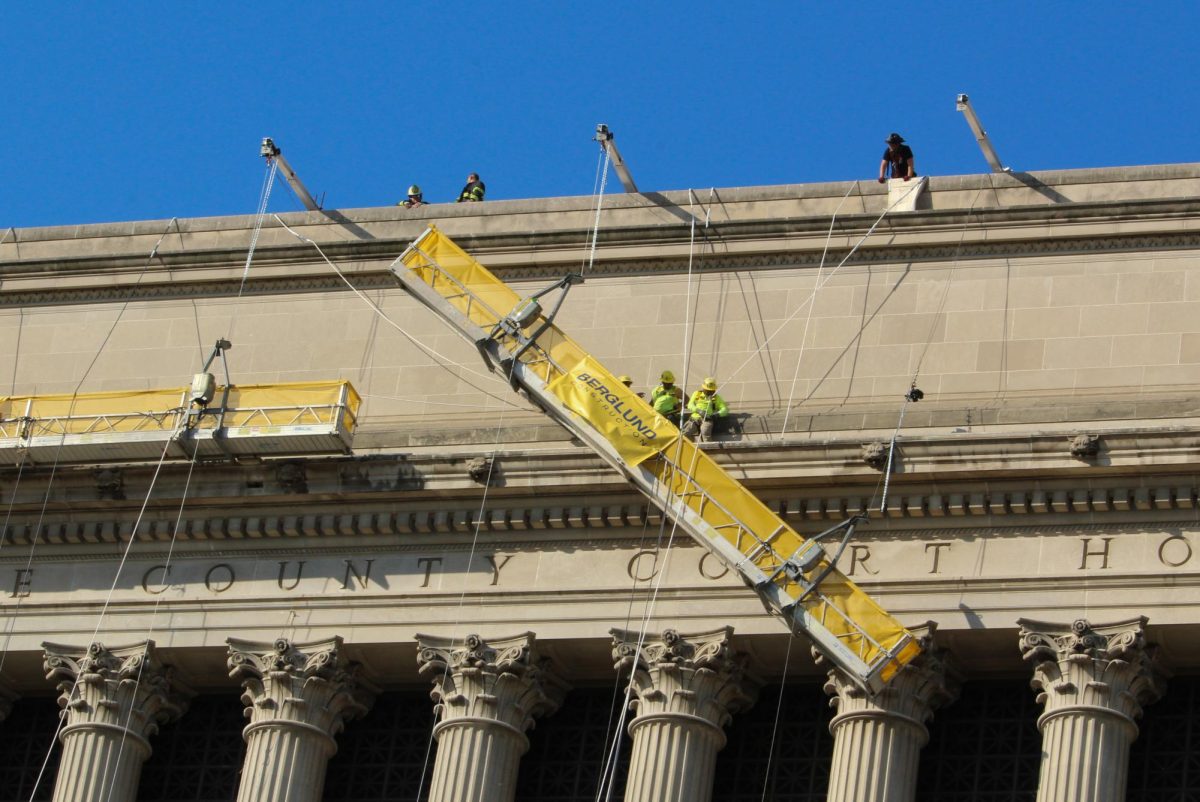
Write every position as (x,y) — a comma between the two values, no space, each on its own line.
(794,576)
(235,420)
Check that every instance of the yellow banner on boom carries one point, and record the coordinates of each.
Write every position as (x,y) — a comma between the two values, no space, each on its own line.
(626,421)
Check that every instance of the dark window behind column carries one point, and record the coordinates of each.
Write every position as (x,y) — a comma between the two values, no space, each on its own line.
(985,747)
(24,738)
(1164,763)
(567,750)
(380,757)
(798,754)
(197,758)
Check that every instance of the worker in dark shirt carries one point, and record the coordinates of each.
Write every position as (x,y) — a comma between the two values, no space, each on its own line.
(898,157)
(473,191)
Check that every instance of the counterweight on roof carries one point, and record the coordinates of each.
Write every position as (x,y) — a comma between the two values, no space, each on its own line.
(793,576)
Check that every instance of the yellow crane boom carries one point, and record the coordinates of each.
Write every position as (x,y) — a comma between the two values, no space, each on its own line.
(794,576)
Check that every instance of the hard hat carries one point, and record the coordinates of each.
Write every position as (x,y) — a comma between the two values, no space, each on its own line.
(894,139)
(667,377)
(414,190)
(625,380)
(710,384)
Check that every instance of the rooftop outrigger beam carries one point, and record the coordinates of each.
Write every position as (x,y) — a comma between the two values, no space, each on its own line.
(270,150)
(795,577)
(607,140)
(963,104)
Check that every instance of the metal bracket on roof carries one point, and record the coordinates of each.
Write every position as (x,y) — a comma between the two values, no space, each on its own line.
(269,150)
(963,104)
(606,139)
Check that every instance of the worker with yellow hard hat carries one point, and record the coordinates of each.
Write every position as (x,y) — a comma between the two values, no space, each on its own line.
(628,382)
(706,408)
(667,397)
(415,198)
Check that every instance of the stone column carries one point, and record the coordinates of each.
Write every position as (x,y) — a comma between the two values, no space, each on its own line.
(687,688)
(487,695)
(298,697)
(1092,682)
(877,739)
(113,701)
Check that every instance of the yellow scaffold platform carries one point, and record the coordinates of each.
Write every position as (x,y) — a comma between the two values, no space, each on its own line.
(241,420)
(793,575)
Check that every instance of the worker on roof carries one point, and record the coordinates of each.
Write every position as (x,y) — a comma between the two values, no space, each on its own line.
(898,158)
(707,409)
(473,191)
(628,382)
(667,398)
(415,198)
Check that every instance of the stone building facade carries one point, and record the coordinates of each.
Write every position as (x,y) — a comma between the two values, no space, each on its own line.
(471,606)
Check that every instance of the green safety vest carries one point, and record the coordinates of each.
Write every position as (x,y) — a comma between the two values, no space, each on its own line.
(666,401)
(703,405)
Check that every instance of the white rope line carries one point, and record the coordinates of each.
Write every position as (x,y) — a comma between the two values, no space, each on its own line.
(11,623)
(599,205)
(264,199)
(812,295)
(787,410)
(787,659)
(438,358)
(610,766)
(470,559)
(150,629)
(108,598)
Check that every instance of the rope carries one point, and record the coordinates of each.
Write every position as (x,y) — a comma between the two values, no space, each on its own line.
(11,623)
(608,772)
(108,598)
(438,358)
(470,559)
(264,198)
(808,319)
(153,613)
(833,272)
(599,204)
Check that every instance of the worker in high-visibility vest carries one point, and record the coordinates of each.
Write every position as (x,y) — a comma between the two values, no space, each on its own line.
(473,191)
(667,398)
(706,408)
(628,382)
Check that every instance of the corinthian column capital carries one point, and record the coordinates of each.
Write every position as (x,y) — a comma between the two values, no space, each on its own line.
(913,694)
(1103,666)
(503,679)
(126,688)
(1092,682)
(688,687)
(697,674)
(114,699)
(487,694)
(311,684)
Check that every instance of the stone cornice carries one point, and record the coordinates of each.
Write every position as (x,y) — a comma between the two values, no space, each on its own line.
(304,275)
(971,481)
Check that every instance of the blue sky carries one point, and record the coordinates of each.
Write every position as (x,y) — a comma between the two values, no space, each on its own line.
(156,109)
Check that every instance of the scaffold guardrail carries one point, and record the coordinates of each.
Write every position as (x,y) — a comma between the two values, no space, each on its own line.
(266,419)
